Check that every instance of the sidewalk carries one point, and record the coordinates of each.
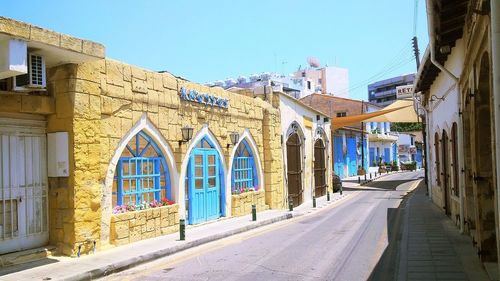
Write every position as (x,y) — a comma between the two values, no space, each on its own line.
(117,259)
(432,247)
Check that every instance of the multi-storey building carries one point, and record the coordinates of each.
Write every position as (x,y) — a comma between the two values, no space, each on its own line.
(384,92)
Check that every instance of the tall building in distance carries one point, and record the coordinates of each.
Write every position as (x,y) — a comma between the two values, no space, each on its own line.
(384,92)
(328,80)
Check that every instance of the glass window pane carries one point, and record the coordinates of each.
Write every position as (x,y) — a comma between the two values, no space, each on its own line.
(198,159)
(211,171)
(211,182)
(198,183)
(198,171)
(211,159)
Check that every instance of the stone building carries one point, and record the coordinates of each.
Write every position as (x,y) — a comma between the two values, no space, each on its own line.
(458,87)
(97,153)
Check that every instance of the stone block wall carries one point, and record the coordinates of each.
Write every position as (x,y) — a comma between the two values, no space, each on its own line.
(241,204)
(103,100)
(144,224)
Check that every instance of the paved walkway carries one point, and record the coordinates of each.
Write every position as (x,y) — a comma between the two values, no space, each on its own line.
(106,262)
(432,247)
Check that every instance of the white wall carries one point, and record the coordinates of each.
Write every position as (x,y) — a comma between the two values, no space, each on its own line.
(337,81)
(291,110)
(444,113)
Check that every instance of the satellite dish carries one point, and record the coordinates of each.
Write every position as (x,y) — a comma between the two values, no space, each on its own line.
(313,62)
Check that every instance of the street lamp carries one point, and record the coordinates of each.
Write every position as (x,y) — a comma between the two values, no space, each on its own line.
(187,134)
(235,137)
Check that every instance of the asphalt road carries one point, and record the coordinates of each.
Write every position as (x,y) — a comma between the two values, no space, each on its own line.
(354,240)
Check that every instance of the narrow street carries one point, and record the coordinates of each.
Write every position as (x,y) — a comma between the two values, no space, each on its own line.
(348,241)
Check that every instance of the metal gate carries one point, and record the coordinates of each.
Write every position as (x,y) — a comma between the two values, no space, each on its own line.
(294,169)
(351,157)
(319,169)
(23,185)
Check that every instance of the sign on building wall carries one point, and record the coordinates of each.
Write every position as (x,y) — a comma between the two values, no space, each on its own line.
(404,92)
(203,98)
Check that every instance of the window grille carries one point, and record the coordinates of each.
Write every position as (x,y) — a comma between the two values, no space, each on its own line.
(141,173)
(244,174)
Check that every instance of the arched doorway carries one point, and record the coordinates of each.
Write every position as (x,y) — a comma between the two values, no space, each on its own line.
(204,183)
(294,166)
(319,169)
(482,177)
(446,183)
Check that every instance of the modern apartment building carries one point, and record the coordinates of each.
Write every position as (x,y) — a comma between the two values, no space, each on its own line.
(384,92)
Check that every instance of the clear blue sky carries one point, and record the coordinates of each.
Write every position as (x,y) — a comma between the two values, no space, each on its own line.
(213,40)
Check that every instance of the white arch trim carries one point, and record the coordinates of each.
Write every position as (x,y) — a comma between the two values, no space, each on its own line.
(258,164)
(181,191)
(143,124)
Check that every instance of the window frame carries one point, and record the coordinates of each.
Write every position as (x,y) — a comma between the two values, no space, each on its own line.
(154,173)
(246,176)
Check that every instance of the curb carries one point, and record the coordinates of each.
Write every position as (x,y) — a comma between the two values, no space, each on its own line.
(108,269)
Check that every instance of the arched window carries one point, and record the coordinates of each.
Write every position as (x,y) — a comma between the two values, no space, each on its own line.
(244,173)
(141,173)
(436,154)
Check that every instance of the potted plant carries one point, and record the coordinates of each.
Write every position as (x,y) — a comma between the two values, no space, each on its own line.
(361,171)
(382,168)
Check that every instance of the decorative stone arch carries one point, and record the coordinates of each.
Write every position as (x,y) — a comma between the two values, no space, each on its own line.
(143,124)
(246,135)
(181,191)
(295,127)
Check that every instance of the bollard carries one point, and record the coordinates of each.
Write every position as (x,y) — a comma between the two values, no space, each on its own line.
(386,172)
(182,229)
(341,190)
(254,213)
(365,177)
(375,174)
(370,175)
(290,205)
(314,202)
(328,196)
(359,179)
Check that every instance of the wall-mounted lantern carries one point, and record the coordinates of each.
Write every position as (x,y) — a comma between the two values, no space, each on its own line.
(235,137)
(187,134)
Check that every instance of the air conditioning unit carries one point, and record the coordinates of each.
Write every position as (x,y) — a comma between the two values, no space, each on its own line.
(35,79)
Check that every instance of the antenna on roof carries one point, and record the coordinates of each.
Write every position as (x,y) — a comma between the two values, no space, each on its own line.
(313,62)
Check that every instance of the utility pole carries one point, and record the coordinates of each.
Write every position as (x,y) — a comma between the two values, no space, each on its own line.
(362,138)
(416,51)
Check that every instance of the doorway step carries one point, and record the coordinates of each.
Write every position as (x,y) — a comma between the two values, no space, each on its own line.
(26,256)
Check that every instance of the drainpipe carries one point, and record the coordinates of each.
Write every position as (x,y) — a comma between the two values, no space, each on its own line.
(432,38)
(495,58)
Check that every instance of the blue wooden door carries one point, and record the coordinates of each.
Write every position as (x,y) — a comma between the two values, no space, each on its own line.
(387,155)
(338,156)
(372,156)
(204,186)
(351,154)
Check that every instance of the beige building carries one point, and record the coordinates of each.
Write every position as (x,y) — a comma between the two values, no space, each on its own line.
(458,86)
(97,153)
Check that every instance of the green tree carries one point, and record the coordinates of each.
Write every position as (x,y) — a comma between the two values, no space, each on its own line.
(406,127)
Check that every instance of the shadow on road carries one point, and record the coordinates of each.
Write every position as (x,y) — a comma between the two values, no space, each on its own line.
(387,266)
(388,185)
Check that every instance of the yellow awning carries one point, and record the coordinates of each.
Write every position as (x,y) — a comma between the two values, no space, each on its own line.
(404,114)
(339,122)
(399,111)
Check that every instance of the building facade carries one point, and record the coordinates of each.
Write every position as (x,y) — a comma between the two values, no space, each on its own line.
(97,153)
(458,87)
(384,92)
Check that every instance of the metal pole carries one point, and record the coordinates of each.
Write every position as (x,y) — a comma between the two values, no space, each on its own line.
(314,202)
(254,212)
(327,195)
(182,229)
(290,204)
